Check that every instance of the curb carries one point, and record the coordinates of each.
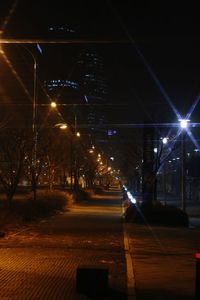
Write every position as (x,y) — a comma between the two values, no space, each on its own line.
(131,293)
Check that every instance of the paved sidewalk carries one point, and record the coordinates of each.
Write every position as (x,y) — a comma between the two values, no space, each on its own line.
(163,261)
(40,261)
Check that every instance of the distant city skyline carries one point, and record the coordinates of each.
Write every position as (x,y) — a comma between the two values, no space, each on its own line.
(168,40)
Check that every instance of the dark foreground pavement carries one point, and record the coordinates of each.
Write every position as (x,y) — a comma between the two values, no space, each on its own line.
(40,261)
(163,261)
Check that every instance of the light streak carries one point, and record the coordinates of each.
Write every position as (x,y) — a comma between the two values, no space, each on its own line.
(156,80)
(147,223)
(16,75)
(170,148)
(131,198)
(146,64)
(86,99)
(39,48)
(192,138)
(196,101)
(7,19)
(152,73)
(62,41)
(6,59)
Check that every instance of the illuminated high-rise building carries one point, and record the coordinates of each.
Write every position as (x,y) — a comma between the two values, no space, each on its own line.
(81,80)
(93,85)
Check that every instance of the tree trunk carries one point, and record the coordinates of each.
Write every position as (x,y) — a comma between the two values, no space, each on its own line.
(9,195)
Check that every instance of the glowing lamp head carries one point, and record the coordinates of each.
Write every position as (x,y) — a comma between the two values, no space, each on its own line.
(184,123)
(155,150)
(53,104)
(63,126)
(165,140)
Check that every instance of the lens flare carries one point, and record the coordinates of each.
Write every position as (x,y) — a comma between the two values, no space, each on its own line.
(8,17)
(8,62)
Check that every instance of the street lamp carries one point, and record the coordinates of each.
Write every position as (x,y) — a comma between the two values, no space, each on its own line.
(53,104)
(61,126)
(165,140)
(34,87)
(74,149)
(34,129)
(184,125)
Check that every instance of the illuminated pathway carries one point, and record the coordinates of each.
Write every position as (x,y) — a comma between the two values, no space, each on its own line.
(40,262)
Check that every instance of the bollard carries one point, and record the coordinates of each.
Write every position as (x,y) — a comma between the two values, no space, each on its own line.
(92,280)
(197,284)
(2,234)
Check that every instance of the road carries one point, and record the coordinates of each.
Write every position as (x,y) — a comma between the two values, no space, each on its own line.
(40,260)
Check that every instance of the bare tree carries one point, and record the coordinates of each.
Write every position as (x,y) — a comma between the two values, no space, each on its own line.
(13,146)
(55,151)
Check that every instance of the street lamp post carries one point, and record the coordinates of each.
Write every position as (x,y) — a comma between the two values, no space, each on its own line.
(165,141)
(73,155)
(34,87)
(76,135)
(183,125)
(34,129)
(183,171)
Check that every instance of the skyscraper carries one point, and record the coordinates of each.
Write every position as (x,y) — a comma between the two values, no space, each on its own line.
(93,85)
(79,78)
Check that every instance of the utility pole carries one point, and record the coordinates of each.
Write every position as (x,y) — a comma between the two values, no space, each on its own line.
(183,124)
(34,131)
(183,171)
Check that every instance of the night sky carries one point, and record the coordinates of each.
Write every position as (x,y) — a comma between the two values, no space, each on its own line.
(162,40)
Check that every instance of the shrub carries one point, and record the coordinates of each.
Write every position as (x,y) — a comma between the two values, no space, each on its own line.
(158,214)
(46,204)
(82,195)
(98,190)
